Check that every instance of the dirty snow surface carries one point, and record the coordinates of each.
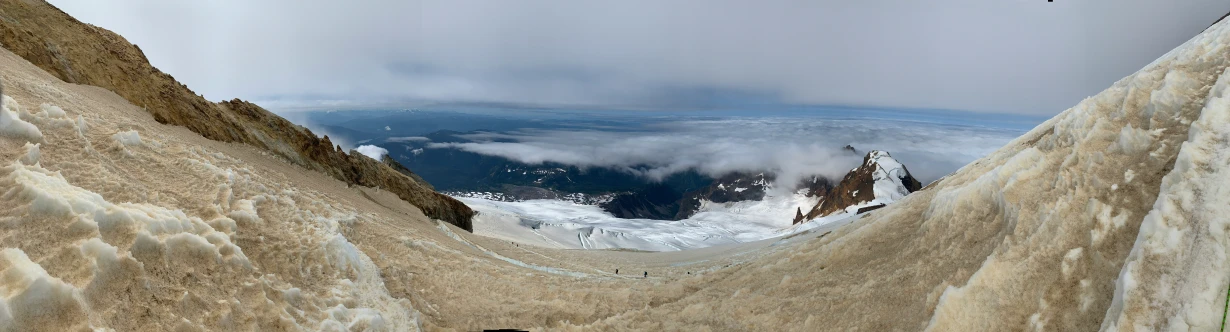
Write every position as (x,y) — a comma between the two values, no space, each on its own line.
(1110,216)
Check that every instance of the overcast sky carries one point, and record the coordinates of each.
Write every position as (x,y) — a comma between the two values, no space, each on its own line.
(1014,56)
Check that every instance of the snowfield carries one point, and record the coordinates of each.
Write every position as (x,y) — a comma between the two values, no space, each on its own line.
(567,225)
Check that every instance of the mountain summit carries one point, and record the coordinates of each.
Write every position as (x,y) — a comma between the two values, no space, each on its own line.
(880,180)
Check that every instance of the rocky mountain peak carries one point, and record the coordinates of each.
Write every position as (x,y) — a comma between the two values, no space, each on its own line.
(878,181)
(733,187)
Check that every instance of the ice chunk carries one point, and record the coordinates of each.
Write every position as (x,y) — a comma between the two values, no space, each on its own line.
(32,155)
(11,124)
(52,110)
(127,138)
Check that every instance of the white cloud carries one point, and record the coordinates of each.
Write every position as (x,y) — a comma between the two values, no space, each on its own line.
(407,139)
(386,128)
(792,147)
(373,151)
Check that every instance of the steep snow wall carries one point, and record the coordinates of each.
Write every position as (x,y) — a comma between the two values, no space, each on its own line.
(1177,274)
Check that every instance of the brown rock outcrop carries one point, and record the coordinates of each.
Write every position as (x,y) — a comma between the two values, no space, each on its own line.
(81,53)
(859,184)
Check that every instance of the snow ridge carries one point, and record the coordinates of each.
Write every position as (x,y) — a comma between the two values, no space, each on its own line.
(888,174)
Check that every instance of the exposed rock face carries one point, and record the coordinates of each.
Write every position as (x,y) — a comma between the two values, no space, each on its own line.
(849,148)
(870,208)
(654,202)
(371,173)
(879,180)
(388,161)
(815,186)
(84,54)
(527,193)
(733,187)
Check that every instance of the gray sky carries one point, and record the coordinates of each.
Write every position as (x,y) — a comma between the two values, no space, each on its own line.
(1015,56)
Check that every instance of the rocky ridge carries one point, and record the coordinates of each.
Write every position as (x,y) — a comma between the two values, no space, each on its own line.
(81,53)
(733,187)
(879,181)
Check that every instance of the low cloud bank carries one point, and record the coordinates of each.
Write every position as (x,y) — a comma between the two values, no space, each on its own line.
(407,139)
(792,147)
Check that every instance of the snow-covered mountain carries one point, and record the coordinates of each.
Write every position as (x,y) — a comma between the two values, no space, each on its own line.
(736,208)
(879,181)
(733,187)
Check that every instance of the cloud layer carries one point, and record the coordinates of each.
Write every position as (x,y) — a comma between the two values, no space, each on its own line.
(792,147)
(1000,56)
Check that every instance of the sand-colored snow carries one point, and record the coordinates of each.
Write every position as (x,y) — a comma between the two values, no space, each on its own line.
(1179,270)
(153,232)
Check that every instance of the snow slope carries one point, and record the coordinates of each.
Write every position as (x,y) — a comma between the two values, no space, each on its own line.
(107,218)
(1178,272)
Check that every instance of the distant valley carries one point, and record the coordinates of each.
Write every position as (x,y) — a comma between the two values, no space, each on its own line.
(505,161)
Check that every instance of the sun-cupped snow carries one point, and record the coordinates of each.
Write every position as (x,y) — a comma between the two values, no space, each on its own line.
(1094,237)
(93,254)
